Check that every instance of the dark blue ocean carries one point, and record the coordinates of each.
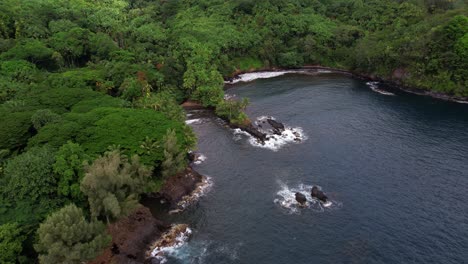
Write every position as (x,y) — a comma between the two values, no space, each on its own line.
(395,168)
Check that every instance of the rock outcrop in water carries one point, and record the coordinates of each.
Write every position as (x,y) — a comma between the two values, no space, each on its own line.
(278,127)
(300,198)
(252,130)
(317,193)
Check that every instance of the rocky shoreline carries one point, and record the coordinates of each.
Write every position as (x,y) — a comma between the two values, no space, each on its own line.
(134,237)
(394,83)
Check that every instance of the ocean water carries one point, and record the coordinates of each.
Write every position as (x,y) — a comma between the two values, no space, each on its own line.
(394,165)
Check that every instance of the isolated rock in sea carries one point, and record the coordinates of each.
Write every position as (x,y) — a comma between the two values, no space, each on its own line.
(277,126)
(317,193)
(300,198)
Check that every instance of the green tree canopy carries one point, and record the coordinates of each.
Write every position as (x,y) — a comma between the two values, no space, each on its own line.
(113,183)
(67,237)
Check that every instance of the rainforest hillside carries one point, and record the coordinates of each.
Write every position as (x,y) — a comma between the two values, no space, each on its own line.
(90,92)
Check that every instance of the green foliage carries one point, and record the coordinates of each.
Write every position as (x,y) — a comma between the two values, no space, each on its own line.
(233,110)
(174,158)
(163,102)
(32,50)
(29,176)
(43,117)
(102,127)
(15,129)
(18,70)
(67,237)
(11,240)
(113,183)
(69,169)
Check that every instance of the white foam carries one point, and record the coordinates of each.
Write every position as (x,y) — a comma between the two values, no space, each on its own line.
(323,71)
(202,251)
(199,159)
(200,190)
(248,77)
(251,76)
(286,198)
(160,253)
(229,96)
(195,121)
(290,135)
(375,87)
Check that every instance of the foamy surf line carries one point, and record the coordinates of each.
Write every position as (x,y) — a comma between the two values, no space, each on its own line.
(375,87)
(195,121)
(286,199)
(200,190)
(170,242)
(251,76)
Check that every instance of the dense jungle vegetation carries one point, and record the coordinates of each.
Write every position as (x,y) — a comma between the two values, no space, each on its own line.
(90,92)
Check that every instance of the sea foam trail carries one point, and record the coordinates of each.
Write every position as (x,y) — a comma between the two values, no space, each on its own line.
(286,199)
(290,135)
(251,76)
(248,77)
(195,121)
(375,87)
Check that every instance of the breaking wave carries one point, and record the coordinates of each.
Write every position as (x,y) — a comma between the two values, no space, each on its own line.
(200,190)
(195,121)
(375,87)
(286,199)
(251,76)
(170,242)
(199,159)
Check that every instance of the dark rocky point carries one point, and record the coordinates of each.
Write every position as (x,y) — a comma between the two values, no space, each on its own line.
(300,198)
(317,193)
(278,127)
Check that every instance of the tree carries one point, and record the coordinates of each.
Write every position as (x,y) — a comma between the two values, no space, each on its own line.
(69,169)
(174,158)
(11,240)
(43,117)
(67,237)
(29,176)
(113,184)
(233,110)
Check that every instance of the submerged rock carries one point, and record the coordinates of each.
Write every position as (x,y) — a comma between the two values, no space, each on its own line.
(317,193)
(300,198)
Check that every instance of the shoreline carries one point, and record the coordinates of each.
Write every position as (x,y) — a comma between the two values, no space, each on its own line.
(391,83)
(135,236)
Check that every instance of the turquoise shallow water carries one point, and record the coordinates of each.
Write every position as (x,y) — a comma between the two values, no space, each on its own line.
(396,168)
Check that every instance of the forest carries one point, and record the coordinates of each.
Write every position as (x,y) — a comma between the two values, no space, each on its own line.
(90,92)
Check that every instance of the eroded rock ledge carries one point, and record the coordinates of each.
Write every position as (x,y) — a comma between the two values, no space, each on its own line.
(135,235)
(132,237)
